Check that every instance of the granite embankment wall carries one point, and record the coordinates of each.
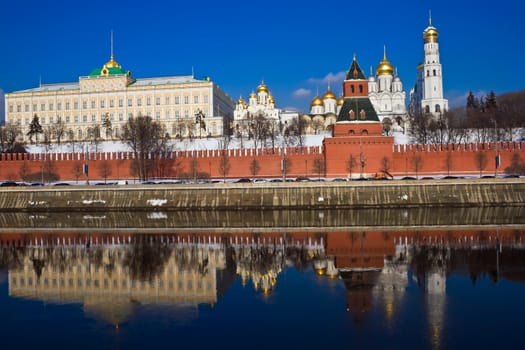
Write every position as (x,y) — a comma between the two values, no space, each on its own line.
(250,196)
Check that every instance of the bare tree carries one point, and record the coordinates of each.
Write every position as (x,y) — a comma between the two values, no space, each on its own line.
(105,170)
(448,162)
(24,171)
(93,136)
(481,162)
(254,167)
(417,163)
(8,136)
(58,130)
(319,166)
(224,164)
(385,166)
(78,170)
(351,164)
(142,135)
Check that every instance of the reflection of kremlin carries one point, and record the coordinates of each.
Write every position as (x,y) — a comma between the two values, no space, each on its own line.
(110,274)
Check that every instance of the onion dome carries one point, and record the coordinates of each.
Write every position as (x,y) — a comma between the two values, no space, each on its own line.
(329,95)
(340,101)
(384,67)
(262,88)
(253,95)
(271,100)
(316,102)
(112,63)
(241,101)
(430,34)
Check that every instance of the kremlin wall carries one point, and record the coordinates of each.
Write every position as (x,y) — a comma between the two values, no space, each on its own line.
(434,160)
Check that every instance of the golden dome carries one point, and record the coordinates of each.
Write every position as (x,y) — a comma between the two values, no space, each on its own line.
(241,101)
(320,271)
(112,63)
(262,88)
(253,95)
(384,67)
(329,95)
(340,101)
(430,35)
(270,99)
(316,102)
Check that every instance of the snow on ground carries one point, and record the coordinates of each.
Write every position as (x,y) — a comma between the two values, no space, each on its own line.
(184,145)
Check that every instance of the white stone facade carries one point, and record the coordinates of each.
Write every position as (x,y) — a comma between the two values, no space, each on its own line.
(427,94)
(113,93)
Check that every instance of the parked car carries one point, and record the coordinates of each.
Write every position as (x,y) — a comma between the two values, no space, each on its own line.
(243,180)
(8,184)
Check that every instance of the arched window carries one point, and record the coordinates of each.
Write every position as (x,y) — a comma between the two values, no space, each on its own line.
(434,72)
(427,109)
(351,114)
(364,132)
(352,89)
(360,89)
(428,73)
(438,109)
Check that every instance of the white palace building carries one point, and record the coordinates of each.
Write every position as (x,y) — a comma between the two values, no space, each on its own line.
(110,92)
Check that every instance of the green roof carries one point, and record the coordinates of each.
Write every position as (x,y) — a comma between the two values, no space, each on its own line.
(111,71)
(362,109)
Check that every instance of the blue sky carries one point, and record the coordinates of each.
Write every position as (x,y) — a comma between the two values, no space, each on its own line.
(297,47)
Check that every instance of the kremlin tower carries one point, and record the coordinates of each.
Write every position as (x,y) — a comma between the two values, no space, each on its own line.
(427,94)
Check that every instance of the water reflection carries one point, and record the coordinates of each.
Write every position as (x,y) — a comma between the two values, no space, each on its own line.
(112,274)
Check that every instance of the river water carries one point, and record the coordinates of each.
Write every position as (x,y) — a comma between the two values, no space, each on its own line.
(396,279)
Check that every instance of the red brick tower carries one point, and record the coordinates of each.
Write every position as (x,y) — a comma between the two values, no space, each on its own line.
(358,134)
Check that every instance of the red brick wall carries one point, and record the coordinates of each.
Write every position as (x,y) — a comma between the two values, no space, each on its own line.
(336,150)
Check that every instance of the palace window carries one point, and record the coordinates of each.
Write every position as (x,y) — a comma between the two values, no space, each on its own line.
(130,102)
(196,99)
(148,101)
(67,106)
(76,119)
(84,104)
(186,100)
(93,104)
(84,118)
(75,105)
(102,103)
(111,104)
(50,107)
(34,108)
(42,107)
(205,98)
(120,102)
(67,119)
(167,100)
(177,100)
(139,101)
(157,101)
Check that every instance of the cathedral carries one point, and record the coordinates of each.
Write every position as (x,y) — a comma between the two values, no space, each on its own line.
(385,91)
(261,103)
